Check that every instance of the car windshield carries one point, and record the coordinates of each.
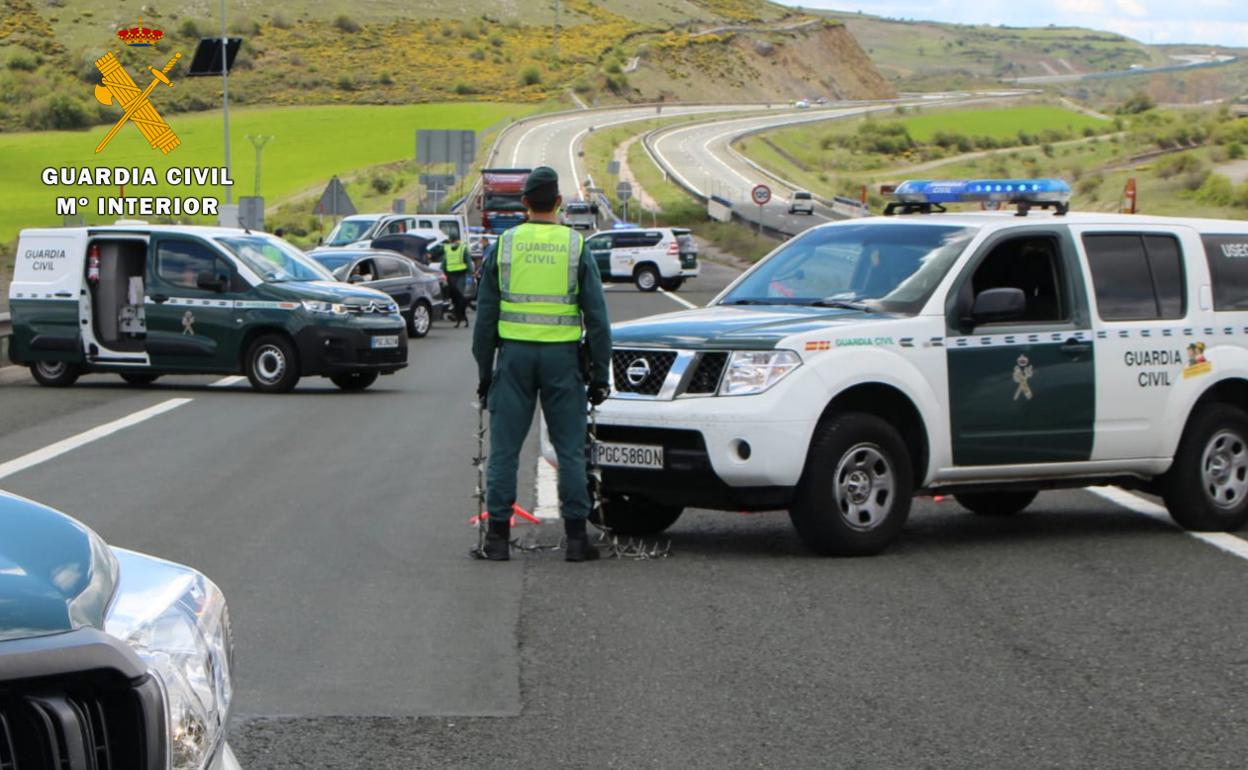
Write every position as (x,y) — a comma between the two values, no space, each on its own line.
(332,261)
(349,231)
(891,267)
(273,259)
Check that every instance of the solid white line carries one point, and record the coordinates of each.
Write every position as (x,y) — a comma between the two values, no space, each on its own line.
(547,506)
(82,439)
(1221,540)
(677,299)
(226,382)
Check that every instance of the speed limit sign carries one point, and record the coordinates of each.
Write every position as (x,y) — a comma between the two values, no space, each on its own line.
(761,194)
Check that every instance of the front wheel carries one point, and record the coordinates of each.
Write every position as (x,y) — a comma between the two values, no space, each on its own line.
(420,320)
(272,364)
(646,278)
(854,496)
(350,381)
(995,503)
(631,515)
(55,374)
(1206,489)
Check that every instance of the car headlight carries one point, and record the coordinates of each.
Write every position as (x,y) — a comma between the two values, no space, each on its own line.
(754,371)
(392,308)
(177,621)
(317,306)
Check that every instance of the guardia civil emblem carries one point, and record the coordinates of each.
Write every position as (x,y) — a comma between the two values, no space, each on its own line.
(117,86)
(188,323)
(1023,372)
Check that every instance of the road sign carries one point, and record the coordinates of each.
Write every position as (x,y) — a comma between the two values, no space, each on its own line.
(761,194)
(613,167)
(399,205)
(251,212)
(438,181)
(623,191)
(334,201)
(446,146)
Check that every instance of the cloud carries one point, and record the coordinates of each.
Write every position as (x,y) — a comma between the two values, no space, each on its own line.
(1132,8)
(1081,6)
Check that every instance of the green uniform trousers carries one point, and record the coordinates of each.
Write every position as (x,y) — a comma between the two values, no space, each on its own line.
(523,372)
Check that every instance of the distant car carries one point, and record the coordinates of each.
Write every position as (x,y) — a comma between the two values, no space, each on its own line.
(415,289)
(364,227)
(652,258)
(579,215)
(821,100)
(802,202)
(801,104)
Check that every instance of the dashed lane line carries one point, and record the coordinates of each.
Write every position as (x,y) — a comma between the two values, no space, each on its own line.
(226,382)
(1221,540)
(86,437)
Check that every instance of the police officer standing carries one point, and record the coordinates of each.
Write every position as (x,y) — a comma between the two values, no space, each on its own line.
(539,284)
(455,265)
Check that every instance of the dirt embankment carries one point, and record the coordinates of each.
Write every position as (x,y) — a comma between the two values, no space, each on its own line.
(825,60)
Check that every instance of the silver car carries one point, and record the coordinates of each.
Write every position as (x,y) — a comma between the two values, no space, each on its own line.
(415,288)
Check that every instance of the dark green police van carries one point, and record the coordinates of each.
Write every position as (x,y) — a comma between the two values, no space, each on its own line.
(144,300)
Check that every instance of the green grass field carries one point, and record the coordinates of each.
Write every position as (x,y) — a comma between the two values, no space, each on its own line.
(310,145)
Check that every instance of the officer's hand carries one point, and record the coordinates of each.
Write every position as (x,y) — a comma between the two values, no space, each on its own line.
(483,390)
(599,393)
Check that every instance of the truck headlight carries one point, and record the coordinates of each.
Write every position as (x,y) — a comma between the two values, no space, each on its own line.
(754,371)
(177,621)
(318,306)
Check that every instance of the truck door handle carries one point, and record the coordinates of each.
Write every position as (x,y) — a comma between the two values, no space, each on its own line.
(1074,348)
(64,294)
(160,299)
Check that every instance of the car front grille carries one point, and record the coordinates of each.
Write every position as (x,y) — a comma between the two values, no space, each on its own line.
(649,369)
(87,722)
(706,373)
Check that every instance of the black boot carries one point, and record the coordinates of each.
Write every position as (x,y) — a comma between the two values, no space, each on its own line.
(579,547)
(498,541)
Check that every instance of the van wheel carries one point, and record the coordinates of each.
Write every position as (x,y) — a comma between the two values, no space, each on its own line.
(140,380)
(55,374)
(646,278)
(354,380)
(1206,489)
(634,516)
(995,503)
(420,320)
(673,284)
(272,364)
(854,496)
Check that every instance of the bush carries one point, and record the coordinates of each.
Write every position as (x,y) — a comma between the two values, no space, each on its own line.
(1234,151)
(385,79)
(22,61)
(531,76)
(346,82)
(346,24)
(279,20)
(59,111)
(478,54)
(1138,103)
(1047,149)
(496,41)
(463,89)
(188,28)
(381,184)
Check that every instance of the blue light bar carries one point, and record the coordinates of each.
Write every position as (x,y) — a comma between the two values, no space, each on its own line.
(624,226)
(981,190)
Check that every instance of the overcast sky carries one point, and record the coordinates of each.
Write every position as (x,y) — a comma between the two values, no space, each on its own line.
(1217,22)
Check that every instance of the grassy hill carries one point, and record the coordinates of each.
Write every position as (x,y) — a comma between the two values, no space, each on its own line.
(391,52)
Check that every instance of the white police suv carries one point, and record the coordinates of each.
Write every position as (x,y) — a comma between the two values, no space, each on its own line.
(985,355)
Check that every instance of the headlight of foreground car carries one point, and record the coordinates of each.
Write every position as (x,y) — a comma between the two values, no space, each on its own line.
(317,306)
(177,621)
(754,371)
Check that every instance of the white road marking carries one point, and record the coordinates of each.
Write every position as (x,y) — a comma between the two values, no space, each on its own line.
(86,437)
(226,382)
(677,299)
(547,505)
(1221,540)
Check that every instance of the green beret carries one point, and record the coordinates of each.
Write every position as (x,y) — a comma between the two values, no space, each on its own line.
(541,178)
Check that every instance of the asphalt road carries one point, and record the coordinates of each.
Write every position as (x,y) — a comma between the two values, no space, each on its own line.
(1077,634)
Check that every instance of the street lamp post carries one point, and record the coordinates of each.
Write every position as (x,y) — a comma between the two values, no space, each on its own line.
(225,99)
(258,141)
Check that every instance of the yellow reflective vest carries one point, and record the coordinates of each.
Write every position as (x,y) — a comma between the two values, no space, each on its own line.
(454,258)
(537,277)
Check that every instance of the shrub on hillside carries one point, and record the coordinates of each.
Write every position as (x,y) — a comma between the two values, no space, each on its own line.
(464,89)
(1138,102)
(59,111)
(279,20)
(530,76)
(346,24)
(381,184)
(22,61)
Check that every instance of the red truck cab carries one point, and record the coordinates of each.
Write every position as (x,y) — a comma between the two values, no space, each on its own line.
(501,190)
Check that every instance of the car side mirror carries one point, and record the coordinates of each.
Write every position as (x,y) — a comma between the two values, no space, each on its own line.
(995,305)
(357,278)
(209,281)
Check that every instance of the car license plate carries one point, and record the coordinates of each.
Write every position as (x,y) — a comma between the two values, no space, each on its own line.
(388,341)
(628,455)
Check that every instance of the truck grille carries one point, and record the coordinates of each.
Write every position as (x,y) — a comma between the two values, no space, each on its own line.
(706,373)
(648,370)
(89,722)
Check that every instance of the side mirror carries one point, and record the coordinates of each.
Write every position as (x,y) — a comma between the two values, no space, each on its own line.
(994,305)
(357,278)
(209,281)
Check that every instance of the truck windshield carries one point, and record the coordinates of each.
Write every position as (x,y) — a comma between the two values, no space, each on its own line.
(274,260)
(497,202)
(349,231)
(893,267)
